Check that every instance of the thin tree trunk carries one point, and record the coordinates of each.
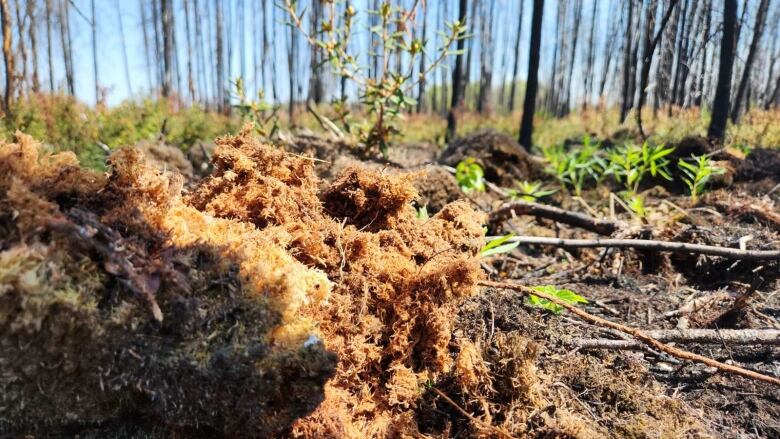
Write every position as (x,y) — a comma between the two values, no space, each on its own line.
(190,74)
(67,54)
(457,79)
(421,107)
(758,29)
(167,33)
(529,103)
(572,56)
(647,55)
(315,80)
(705,43)
(48,45)
(624,106)
(486,62)
(31,29)
(147,50)
(720,106)
(515,68)
(93,26)
(608,49)
(22,49)
(589,59)
(220,64)
(8,56)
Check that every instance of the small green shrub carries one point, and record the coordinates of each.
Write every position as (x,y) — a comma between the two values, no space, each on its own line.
(630,164)
(567,296)
(698,173)
(530,191)
(470,176)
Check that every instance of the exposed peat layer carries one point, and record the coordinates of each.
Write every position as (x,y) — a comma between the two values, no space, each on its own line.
(266,301)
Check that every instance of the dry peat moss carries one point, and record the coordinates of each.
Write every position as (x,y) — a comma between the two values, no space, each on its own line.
(262,302)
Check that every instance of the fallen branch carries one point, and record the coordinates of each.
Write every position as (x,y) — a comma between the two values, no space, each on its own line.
(638,334)
(648,244)
(576,219)
(740,337)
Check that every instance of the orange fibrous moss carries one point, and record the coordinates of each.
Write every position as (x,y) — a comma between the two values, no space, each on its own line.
(396,278)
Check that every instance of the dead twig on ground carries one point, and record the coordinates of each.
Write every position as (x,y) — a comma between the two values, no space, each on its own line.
(649,244)
(742,337)
(638,334)
(576,219)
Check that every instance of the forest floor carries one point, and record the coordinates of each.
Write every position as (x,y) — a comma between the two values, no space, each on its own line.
(421,349)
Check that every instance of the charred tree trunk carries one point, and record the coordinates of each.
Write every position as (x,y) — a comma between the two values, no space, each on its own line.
(67,54)
(457,79)
(515,67)
(316,90)
(758,29)
(651,42)
(49,54)
(590,58)
(486,61)
(167,33)
(93,26)
(32,35)
(220,63)
(624,105)
(421,86)
(529,104)
(720,106)
(572,57)
(22,49)
(8,56)
(188,39)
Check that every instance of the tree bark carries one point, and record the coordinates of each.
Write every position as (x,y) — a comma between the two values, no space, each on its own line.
(486,61)
(647,55)
(720,106)
(421,86)
(624,103)
(8,56)
(589,59)
(515,68)
(49,54)
(67,54)
(529,103)
(220,63)
(758,29)
(167,34)
(457,79)
(190,73)
(32,34)
(93,26)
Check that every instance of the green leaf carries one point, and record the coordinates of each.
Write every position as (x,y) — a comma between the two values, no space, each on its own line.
(499,245)
(564,295)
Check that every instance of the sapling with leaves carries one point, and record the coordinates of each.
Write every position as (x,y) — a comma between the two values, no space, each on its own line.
(576,167)
(387,94)
(259,112)
(697,173)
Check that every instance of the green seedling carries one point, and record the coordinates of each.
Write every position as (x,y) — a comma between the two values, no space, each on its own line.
(530,191)
(697,174)
(631,164)
(470,176)
(422,212)
(573,169)
(637,204)
(499,245)
(567,296)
